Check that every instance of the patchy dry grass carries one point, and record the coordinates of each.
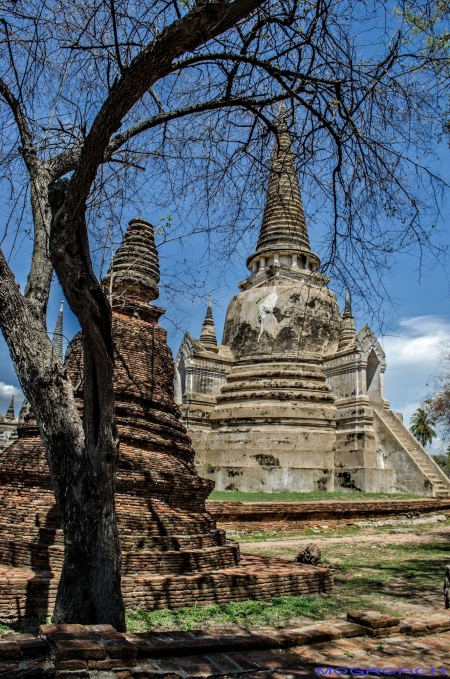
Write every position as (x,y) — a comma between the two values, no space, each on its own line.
(392,570)
(377,568)
(372,573)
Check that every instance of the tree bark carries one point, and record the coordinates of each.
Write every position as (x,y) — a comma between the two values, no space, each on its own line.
(83,477)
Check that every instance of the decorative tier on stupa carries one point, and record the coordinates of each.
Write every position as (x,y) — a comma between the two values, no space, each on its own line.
(173,555)
(293,398)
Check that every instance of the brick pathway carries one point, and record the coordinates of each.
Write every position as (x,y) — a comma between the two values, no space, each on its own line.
(395,652)
(366,643)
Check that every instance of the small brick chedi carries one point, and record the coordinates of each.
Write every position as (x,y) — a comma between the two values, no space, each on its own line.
(173,554)
(293,397)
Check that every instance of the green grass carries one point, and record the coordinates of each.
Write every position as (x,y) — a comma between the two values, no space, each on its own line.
(370,576)
(25,626)
(237,496)
(277,612)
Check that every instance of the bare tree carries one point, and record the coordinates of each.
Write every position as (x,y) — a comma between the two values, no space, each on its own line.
(93,95)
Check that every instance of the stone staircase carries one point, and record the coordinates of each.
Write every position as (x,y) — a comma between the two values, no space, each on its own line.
(424,461)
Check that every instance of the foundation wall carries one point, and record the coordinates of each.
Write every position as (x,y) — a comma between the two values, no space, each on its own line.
(249,517)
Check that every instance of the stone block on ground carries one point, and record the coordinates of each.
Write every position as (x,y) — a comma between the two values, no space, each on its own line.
(312,554)
(372,619)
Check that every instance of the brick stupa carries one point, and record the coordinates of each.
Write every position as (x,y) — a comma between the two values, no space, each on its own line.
(173,554)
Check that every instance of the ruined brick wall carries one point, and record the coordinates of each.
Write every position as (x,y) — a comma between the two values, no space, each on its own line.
(249,517)
(163,524)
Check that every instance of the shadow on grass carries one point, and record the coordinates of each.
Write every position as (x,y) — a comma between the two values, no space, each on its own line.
(401,578)
(29,625)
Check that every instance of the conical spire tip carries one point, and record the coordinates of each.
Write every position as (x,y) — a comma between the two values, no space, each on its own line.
(347,307)
(281,123)
(208,333)
(134,271)
(10,412)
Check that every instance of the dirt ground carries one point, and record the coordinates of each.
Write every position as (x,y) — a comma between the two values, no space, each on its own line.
(396,569)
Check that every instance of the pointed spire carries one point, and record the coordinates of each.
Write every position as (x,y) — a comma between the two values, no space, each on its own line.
(284,219)
(10,412)
(24,410)
(347,306)
(208,333)
(134,271)
(283,226)
(57,340)
(348,328)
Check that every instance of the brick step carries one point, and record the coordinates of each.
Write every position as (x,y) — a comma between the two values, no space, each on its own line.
(32,536)
(214,538)
(27,592)
(180,562)
(44,557)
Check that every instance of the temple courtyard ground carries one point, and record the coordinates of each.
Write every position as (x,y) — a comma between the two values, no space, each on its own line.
(397,570)
(393,571)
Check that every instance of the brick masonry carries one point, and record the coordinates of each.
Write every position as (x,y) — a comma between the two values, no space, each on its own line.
(74,651)
(173,553)
(248,517)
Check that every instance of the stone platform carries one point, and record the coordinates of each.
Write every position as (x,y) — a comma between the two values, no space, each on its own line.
(415,645)
(24,592)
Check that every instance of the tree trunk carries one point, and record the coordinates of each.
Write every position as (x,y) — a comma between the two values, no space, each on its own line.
(83,474)
(89,589)
(82,457)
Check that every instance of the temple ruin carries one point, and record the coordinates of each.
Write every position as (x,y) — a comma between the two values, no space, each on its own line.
(172,552)
(293,398)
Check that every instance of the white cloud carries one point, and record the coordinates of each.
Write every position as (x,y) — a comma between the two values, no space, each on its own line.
(412,356)
(7,391)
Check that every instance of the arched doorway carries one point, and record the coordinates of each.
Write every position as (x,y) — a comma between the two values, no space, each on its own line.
(371,370)
(182,372)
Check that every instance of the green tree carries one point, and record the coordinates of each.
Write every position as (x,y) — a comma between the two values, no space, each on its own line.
(421,427)
(443,460)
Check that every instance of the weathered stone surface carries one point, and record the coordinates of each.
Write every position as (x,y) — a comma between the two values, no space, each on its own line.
(312,554)
(372,619)
(9,650)
(267,517)
(70,649)
(120,648)
(293,398)
(260,652)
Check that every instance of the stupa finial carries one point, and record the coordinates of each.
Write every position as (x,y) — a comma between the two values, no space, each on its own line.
(10,412)
(208,333)
(134,271)
(282,123)
(24,410)
(283,228)
(284,221)
(57,340)
(348,328)
(347,307)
